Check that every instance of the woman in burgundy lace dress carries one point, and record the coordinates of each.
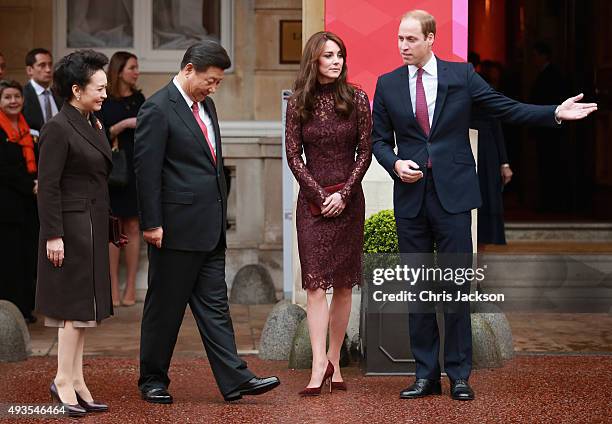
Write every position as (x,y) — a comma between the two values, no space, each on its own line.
(330,120)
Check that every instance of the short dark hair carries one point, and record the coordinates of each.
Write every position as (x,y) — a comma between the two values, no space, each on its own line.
(30,58)
(76,68)
(4,84)
(204,54)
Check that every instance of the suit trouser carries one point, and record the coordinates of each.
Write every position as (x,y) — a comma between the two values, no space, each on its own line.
(178,278)
(452,235)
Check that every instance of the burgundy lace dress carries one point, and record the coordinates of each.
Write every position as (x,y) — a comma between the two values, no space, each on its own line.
(337,150)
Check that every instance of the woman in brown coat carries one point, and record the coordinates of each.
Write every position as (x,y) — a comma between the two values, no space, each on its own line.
(73,290)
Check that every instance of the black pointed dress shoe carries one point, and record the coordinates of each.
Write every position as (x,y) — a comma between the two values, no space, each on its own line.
(72,410)
(92,406)
(157,395)
(461,390)
(421,387)
(255,386)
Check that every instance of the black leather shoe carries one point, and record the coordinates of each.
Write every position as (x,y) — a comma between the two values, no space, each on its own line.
(92,406)
(461,390)
(255,386)
(421,387)
(157,395)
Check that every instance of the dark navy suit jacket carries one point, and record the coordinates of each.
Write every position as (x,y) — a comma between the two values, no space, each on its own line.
(448,144)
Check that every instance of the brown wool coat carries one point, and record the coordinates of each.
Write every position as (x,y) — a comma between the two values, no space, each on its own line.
(73,203)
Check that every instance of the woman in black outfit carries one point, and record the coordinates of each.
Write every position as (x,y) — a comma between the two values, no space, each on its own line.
(118,115)
(17,191)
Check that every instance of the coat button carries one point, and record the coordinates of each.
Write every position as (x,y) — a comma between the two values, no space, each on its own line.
(219,199)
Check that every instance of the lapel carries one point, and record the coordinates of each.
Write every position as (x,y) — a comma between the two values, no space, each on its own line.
(94,136)
(441,94)
(404,89)
(186,115)
(210,109)
(35,110)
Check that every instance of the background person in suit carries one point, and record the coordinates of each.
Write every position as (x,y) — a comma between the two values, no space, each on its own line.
(17,194)
(41,103)
(182,201)
(73,290)
(425,107)
(494,170)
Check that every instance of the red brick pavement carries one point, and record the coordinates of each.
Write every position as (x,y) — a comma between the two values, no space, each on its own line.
(528,389)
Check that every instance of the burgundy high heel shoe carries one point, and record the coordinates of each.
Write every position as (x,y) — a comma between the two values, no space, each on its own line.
(338,385)
(316,391)
(73,410)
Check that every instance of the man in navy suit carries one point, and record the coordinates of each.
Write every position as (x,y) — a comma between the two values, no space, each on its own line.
(424,107)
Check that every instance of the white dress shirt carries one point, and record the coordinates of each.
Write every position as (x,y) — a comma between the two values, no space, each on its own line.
(39,89)
(430,84)
(202,112)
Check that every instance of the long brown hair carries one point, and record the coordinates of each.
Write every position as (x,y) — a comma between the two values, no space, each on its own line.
(306,81)
(115,67)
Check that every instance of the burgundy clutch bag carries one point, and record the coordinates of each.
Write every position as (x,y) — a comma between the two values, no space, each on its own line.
(316,210)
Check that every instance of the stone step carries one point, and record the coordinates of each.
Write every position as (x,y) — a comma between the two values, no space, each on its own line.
(559,231)
(556,282)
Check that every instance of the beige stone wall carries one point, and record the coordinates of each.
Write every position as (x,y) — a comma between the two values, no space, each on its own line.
(24,24)
(250,92)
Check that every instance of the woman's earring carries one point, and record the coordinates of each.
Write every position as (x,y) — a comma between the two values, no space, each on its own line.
(78,98)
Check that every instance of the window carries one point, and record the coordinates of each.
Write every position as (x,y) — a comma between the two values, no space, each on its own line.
(157,31)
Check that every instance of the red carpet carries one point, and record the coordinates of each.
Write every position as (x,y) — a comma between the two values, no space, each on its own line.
(529,389)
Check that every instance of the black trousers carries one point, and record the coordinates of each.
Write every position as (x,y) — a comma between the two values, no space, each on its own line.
(178,278)
(452,235)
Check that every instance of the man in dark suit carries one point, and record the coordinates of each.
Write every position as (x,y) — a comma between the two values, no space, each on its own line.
(424,108)
(182,198)
(40,103)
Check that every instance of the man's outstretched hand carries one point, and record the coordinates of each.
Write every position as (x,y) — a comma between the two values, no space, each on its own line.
(571,110)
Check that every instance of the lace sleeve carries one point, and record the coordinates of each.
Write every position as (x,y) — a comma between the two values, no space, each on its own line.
(293,145)
(364,145)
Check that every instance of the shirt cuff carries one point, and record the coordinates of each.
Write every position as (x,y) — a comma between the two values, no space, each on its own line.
(557,120)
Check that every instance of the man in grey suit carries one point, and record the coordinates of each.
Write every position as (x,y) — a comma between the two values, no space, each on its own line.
(40,103)
(182,199)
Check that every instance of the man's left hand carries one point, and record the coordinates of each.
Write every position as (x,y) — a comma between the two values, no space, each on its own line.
(571,110)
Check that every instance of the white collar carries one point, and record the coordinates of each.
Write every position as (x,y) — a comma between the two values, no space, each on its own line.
(37,87)
(431,67)
(188,99)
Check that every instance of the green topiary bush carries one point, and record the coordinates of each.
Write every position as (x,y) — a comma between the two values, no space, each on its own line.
(380,235)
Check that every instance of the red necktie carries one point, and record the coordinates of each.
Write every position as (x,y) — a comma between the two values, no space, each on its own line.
(196,114)
(422,113)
